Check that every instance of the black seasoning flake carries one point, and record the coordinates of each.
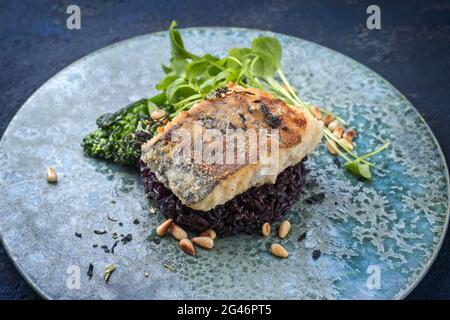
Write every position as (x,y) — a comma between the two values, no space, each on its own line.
(272,120)
(316,198)
(218,93)
(221,91)
(114,246)
(136,221)
(316,254)
(121,224)
(232,126)
(127,238)
(114,235)
(90,271)
(104,246)
(302,236)
(100,232)
(243,120)
(107,250)
(111,219)
(94,245)
(78,235)
(337,162)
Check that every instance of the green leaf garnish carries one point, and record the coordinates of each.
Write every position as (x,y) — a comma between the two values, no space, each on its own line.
(359,169)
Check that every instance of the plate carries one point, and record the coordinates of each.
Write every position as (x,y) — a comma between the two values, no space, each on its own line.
(376,238)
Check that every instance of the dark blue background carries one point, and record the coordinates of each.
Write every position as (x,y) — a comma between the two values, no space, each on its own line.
(412,51)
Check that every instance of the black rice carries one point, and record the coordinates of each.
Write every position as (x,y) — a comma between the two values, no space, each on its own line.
(245,213)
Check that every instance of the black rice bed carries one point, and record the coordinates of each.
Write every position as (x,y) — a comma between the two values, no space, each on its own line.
(245,213)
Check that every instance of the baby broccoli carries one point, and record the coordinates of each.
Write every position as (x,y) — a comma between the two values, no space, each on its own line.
(115,139)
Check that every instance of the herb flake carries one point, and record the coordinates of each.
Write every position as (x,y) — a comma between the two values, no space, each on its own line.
(90,271)
(127,238)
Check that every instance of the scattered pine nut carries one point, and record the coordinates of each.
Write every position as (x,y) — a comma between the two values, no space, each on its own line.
(346,143)
(349,135)
(204,242)
(283,231)
(177,232)
(332,147)
(210,233)
(157,114)
(316,112)
(334,124)
(338,132)
(278,250)
(327,119)
(52,176)
(187,246)
(164,227)
(265,229)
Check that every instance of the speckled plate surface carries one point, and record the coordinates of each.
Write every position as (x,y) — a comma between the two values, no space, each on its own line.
(394,224)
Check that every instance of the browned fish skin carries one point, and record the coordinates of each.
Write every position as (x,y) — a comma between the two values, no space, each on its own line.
(232,108)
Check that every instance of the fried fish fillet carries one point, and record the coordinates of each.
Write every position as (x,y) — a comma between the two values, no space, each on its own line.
(231,126)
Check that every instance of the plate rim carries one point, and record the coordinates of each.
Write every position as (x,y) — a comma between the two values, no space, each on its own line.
(400,295)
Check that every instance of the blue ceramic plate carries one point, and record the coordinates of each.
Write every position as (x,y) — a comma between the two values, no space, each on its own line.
(377,238)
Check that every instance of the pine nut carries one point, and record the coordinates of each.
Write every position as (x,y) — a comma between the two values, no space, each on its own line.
(157,114)
(52,176)
(283,231)
(210,233)
(346,143)
(338,132)
(349,135)
(177,232)
(278,250)
(164,227)
(332,147)
(187,246)
(204,242)
(327,119)
(316,112)
(334,124)
(266,229)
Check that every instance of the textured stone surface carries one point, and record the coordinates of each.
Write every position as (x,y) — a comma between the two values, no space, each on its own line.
(410,52)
